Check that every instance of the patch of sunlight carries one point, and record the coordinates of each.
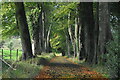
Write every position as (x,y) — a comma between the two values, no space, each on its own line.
(81,61)
(60,54)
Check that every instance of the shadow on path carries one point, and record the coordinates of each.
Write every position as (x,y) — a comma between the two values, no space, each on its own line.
(60,67)
(64,65)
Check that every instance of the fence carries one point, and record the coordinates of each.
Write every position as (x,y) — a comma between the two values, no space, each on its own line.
(10,54)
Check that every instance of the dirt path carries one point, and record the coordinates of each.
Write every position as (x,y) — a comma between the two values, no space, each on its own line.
(61,67)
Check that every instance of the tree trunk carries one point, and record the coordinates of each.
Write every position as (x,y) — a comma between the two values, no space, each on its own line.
(36,33)
(104,28)
(71,36)
(102,23)
(95,61)
(24,32)
(40,24)
(68,44)
(87,21)
(82,35)
(46,31)
(79,42)
(43,29)
(48,40)
(82,54)
(76,37)
(40,31)
(36,40)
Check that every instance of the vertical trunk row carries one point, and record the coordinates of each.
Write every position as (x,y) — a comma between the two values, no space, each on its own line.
(76,35)
(47,32)
(24,32)
(94,36)
(67,44)
(70,34)
(36,33)
(44,33)
(95,59)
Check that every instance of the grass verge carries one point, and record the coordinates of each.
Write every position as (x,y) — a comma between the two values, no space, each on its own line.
(98,68)
(26,69)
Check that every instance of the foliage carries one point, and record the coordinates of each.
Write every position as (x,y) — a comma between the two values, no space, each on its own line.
(60,26)
(112,59)
(10,46)
(113,47)
(16,42)
(55,11)
(1,43)
(9,27)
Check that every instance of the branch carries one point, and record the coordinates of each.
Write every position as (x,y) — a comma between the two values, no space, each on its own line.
(7,63)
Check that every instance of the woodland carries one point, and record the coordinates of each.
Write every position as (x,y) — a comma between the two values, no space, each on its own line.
(85,31)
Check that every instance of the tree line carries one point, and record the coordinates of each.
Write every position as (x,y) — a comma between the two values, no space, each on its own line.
(75,29)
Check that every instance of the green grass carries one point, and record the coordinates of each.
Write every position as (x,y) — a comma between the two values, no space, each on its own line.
(23,70)
(6,54)
(26,69)
(101,69)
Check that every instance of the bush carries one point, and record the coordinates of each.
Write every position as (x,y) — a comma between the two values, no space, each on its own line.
(112,58)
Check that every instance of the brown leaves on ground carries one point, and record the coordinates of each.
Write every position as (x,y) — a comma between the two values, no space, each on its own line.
(60,67)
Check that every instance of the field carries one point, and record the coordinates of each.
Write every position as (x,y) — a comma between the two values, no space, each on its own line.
(6,54)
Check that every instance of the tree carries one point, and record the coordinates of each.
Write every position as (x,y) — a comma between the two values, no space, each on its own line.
(70,31)
(44,26)
(8,28)
(10,46)
(87,33)
(96,35)
(35,19)
(1,44)
(24,32)
(104,28)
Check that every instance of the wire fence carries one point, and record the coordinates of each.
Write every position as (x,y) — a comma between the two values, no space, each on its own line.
(10,54)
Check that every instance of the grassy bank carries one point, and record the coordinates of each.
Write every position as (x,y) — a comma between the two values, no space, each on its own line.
(26,69)
(98,68)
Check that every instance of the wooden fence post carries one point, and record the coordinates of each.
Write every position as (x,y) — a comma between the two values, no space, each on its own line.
(2,54)
(10,53)
(17,55)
